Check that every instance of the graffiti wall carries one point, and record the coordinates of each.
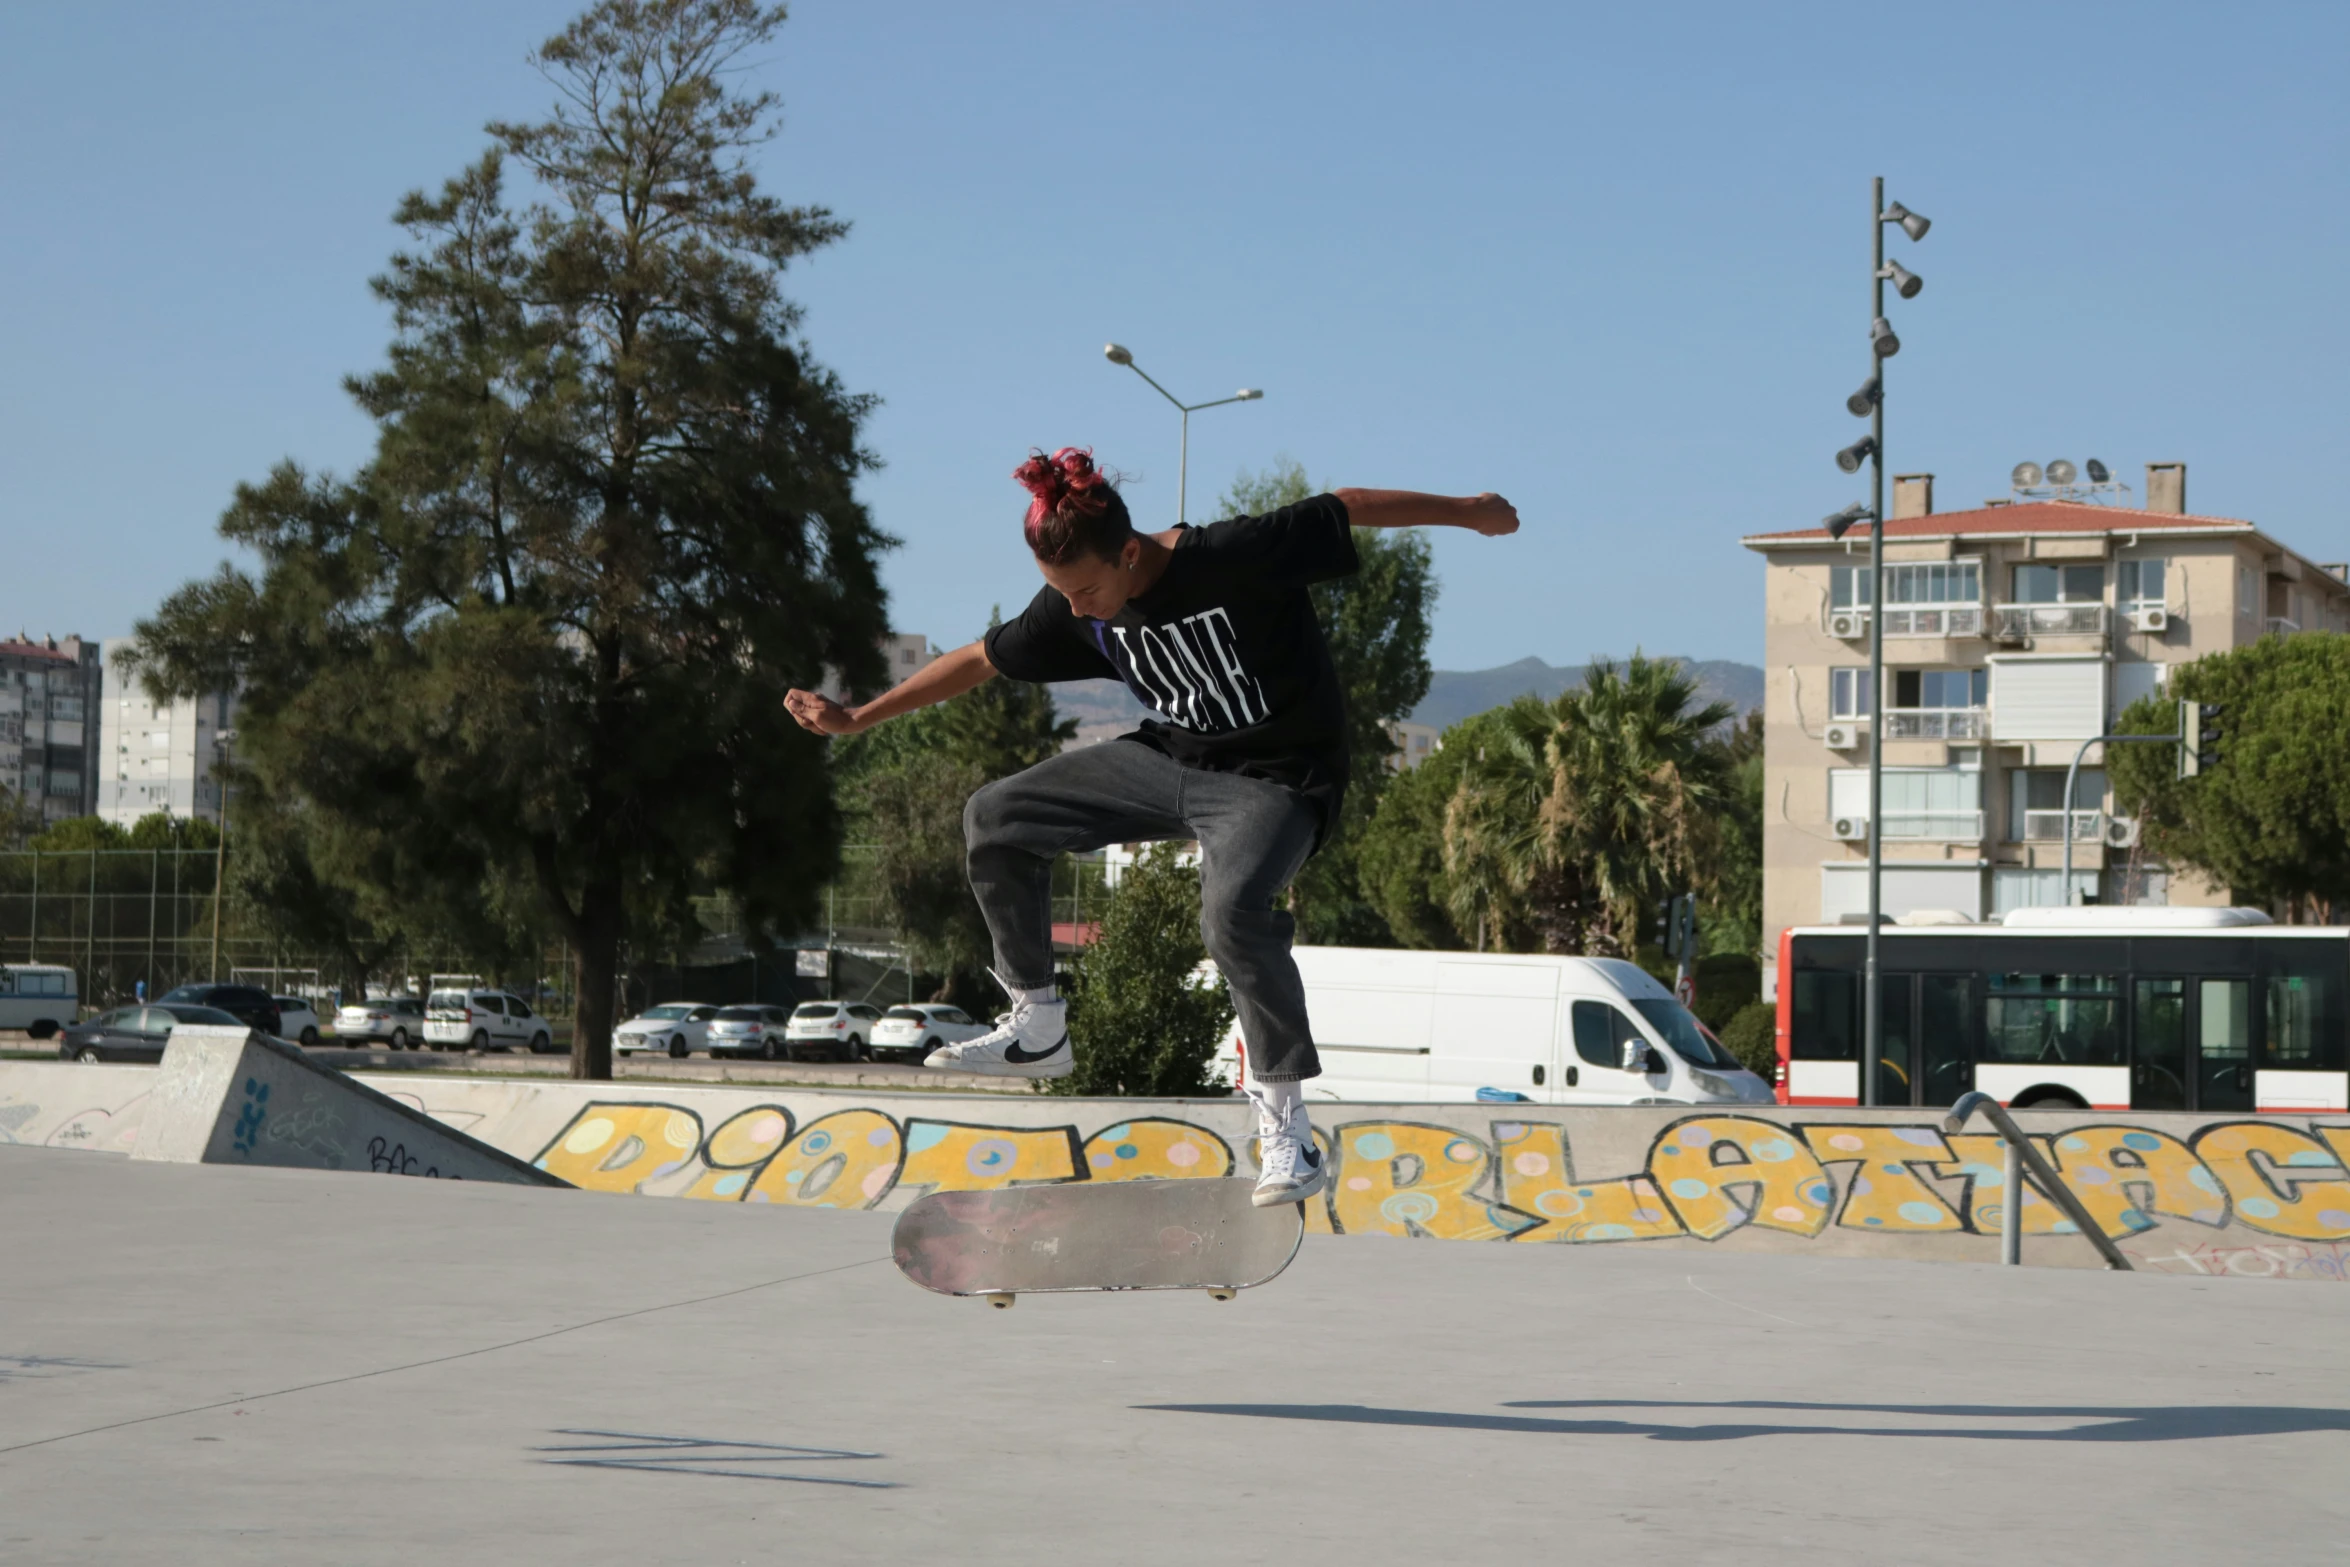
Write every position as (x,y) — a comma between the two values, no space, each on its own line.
(2265,1197)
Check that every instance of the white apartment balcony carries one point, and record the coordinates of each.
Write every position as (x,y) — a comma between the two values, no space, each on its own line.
(1907,620)
(1933,620)
(2048,826)
(2015,622)
(1945,826)
(1936,723)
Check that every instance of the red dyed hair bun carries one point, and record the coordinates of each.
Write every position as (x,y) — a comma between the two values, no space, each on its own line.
(1073,508)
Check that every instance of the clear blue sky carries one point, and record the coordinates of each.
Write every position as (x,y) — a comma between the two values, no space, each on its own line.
(1607,260)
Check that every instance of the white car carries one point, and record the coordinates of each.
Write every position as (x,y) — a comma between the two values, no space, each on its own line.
(483,1020)
(842,1030)
(296,1020)
(915,1030)
(397,1021)
(674,1028)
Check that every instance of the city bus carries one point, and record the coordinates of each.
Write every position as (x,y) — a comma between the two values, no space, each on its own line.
(2075,1008)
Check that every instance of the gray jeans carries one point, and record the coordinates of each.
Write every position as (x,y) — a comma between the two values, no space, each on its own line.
(1253,836)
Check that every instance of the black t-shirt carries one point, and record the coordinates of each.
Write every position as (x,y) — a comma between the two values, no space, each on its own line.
(1225,644)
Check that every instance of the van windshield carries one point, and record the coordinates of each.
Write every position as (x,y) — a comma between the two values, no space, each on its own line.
(1672,1020)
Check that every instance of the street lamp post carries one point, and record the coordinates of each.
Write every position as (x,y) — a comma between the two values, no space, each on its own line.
(1869,402)
(221,743)
(1247,394)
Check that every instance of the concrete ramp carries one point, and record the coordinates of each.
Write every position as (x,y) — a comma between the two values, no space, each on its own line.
(235,1096)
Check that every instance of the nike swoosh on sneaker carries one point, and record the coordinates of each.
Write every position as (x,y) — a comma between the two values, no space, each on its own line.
(1015,1056)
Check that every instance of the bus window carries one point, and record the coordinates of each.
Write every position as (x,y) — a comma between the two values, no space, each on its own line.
(2070,1018)
(2304,1007)
(1826,1014)
(2158,1080)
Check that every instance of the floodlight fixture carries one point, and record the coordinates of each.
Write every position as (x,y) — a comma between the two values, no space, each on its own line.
(1116,355)
(1881,338)
(1844,521)
(1857,453)
(2098,472)
(1864,402)
(1248,394)
(1905,282)
(1913,224)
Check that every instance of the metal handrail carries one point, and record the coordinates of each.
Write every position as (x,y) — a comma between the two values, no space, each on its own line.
(2021,1152)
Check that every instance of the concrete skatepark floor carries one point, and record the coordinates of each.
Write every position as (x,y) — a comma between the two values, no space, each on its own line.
(206,1364)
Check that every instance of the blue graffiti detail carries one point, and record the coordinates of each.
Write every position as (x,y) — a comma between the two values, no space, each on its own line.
(249,1119)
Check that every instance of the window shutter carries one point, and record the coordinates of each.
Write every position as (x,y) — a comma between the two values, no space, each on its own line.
(2048,699)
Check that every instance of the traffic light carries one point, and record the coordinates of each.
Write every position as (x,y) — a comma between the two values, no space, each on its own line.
(2200,735)
(1676,923)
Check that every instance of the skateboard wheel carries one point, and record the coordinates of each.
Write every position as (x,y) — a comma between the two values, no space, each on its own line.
(1221,1294)
(1000,1299)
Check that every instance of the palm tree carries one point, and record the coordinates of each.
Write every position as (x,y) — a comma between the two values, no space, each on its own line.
(1575,814)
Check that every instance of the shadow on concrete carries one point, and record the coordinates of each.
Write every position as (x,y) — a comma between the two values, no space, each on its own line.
(2180,1423)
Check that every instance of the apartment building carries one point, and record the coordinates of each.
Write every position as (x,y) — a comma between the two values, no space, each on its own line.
(156,756)
(2013,633)
(904,651)
(48,740)
(1414,744)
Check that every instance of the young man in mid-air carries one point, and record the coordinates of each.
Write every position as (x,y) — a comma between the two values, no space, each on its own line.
(1213,628)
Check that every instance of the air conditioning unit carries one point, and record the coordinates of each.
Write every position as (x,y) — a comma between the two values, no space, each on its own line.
(1843,737)
(2150,618)
(1852,828)
(2121,832)
(1847,624)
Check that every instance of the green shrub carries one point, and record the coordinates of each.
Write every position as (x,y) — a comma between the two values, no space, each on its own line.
(1752,1036)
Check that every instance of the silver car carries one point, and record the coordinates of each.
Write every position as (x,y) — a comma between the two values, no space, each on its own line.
(674,1028)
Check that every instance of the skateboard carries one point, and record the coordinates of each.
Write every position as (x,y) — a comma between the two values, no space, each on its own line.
(1084,1235)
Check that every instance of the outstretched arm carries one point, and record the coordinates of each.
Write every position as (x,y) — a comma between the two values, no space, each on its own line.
(1488,514)
(948,675)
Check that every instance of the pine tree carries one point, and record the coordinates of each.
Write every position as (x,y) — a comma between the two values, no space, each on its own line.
(542,639)
(1143,1019)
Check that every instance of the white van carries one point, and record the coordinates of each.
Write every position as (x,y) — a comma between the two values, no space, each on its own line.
(1454,1026)
(39,998)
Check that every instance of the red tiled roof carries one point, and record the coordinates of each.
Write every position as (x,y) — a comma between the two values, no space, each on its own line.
(2029,517)
(13,649)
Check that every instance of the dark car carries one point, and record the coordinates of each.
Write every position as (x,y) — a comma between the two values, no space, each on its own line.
(138,1033)
(253,1007)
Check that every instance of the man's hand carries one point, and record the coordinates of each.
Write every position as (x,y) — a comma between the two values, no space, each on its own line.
(1492,516)
(820,714)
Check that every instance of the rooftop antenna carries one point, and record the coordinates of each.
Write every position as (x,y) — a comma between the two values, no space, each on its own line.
(2061,481)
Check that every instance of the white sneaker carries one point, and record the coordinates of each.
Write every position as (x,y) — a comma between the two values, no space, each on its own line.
(1289,1167)
(1031,1040)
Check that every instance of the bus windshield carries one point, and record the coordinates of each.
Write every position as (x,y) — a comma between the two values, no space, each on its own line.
(1680,1030)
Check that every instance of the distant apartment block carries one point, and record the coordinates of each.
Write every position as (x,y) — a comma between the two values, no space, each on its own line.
(1414,744)
(48,739)
(157,756)
(2012,634)
(904,651)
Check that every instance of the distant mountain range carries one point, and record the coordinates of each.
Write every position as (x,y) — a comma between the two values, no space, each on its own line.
(1105,708)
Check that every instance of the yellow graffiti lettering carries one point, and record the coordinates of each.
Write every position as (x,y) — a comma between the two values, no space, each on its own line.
(2280,1181)
(848,1159)
(1884,1193)
(1978,1158)
(738,1151)
(1153,1149)
(1404,1178)
(948,1156)
(1537,1177)
(620,1147)
(1703,1166)
(2125,1175)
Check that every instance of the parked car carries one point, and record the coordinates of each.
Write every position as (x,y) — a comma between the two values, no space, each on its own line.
(254,1008)
(137,1033)
(842,1030)
(297,1020)
(675,1028)
(749,1031)
(915,1030)
(483,1020)
(397,1021)
(39,998)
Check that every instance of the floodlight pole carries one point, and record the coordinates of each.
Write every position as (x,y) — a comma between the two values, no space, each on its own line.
(2072,781)
(1871,1020)
(1119,356)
